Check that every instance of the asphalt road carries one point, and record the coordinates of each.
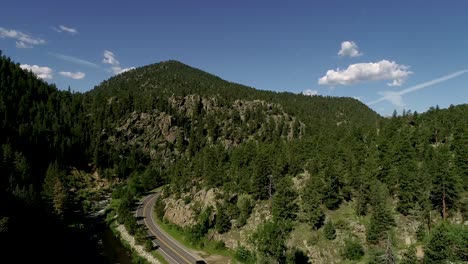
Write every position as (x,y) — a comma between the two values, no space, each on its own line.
(172,251)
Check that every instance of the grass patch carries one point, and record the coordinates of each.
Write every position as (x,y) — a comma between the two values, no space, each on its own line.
(181,235)
(345,221)
(159,257)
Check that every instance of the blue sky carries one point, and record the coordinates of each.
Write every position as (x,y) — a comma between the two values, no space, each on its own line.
(388,54)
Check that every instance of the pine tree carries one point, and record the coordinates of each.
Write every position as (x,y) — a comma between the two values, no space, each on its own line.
(331,190)
(329,230)
(284,206)
(445,181)
(60,197)
(382,218)
(270,240)
(311,199)
(438,249)
(223,221)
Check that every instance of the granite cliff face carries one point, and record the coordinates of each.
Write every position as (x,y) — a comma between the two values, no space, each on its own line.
(203,119)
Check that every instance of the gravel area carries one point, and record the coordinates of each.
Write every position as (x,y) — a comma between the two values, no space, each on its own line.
(138,248)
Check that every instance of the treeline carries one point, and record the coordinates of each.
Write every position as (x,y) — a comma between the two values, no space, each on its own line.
(44,133)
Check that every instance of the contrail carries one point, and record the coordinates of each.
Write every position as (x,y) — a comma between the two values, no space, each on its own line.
(389,94)
(74,60)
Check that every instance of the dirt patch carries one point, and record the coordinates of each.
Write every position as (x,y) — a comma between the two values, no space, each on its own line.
(214,259)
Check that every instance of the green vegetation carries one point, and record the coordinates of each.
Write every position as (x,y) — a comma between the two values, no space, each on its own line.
(306,157)
(185,237)
(329,230)
(352,250)
(448,242)
(244,255)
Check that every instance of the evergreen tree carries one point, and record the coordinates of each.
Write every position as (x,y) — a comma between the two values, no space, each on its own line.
(438,249)
(284,206)
(382,218)
(311,199)
(331,189)
(223,222)
(352,250)
(329,230)
(245,205)
(270,240)
(446,182)
(53,190)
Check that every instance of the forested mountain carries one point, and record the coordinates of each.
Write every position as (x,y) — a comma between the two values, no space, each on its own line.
(43,135)
(328,166)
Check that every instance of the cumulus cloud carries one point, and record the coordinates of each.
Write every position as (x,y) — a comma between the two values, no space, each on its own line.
(310,92)
(22,40)
(62,28)
(349,49)
(110,58)
(41,72)
(395,97)
(74,60)
(73,75)
(364,72)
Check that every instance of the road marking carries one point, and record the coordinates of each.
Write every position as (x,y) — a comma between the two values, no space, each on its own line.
(168,237)
(167,255)
(172,249)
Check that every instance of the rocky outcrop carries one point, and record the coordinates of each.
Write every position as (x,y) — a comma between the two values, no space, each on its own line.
(181,213)
(240,236)
(202,121)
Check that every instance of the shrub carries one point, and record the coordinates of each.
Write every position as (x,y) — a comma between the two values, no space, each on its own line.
(243,255)
(219,244)
(329,230)
(352,250)
(341,224)
(160,208)
(187,199)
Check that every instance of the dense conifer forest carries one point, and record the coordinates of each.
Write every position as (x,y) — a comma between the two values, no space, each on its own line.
(305,157)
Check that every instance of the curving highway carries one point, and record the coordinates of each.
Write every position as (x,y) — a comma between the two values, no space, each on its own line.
(172,251)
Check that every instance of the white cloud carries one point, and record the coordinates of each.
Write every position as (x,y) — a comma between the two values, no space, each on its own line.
(41,72)
(364,72)
(74,60)
(22,45)
(73,75)
(62,28)
(22,40)
(310,92)
(127,69)
(349,49)
(110,58)
(68,29)
(396,97)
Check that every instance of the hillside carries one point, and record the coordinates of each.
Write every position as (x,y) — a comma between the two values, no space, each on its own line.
(159,81)
(274,177)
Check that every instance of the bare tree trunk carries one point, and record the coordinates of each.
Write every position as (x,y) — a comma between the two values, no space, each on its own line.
(444,208)
(388,257)
(270,187)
